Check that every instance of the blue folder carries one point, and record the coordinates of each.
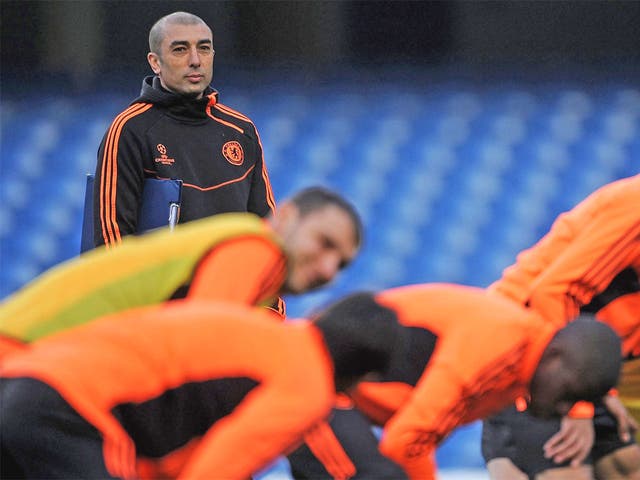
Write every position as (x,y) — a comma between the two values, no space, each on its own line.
(160,207)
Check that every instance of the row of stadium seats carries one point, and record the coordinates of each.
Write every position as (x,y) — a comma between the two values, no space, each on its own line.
(451,182)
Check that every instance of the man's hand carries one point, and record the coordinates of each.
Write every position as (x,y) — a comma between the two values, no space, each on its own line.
(572,443)
(627,426)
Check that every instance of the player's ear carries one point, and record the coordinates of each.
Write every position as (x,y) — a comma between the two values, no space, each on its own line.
(154,62)
(286,213)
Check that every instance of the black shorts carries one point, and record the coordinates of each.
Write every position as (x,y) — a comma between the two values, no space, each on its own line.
(356,438)
(43,437)
(520,437)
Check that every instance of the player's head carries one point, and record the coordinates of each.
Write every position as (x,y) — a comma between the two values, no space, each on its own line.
(581,362)
(361,336)
(321,234)
(181,53)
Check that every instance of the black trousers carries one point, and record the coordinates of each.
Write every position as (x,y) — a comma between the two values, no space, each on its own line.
(353,431)
(520,437)
(42,437)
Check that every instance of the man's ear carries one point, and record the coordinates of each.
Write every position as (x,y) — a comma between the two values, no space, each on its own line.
(154,62)
(286,213)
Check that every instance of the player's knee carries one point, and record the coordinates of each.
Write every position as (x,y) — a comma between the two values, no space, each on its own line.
(622,464)
(504,469)
(583,472)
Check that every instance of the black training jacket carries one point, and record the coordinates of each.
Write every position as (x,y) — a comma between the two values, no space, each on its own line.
(213,149)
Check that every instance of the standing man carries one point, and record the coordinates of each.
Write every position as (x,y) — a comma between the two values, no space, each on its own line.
(178,129)
(589,261)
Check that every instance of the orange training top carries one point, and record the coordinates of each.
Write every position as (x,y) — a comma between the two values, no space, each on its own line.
(234,257)
(470,354)
(588,261)
(127,374)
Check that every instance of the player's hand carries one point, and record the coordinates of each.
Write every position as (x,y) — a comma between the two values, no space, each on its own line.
(572,443)
(627,426)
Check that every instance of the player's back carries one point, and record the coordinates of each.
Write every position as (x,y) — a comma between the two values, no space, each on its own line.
(141,271)
(486,344)
(446,309)
(616,205)
(151,368)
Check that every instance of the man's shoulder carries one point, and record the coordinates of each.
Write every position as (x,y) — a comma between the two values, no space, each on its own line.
(236,118)
(135,113)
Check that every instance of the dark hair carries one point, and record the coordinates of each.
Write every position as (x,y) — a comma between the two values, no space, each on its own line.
(315,198)
(361,335)
(157,32)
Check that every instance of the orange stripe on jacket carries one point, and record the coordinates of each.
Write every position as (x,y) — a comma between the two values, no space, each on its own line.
(107,170)
(265,176)
(220,185)
(228,124)
(618,256)
(230,111)
(109,174)
(599,274)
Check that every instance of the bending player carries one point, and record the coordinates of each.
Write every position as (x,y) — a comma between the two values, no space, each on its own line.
(588,262)
(236,257)
(468,355)
(196,389)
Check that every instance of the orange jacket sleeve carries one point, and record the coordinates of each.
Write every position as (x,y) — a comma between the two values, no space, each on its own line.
(605,242)
(582,410)
(517,279)
(249,270)
(623,315)
(270,420)
(460,385)
(411,436)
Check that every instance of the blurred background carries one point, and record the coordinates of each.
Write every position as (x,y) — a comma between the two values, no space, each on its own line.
(459,129)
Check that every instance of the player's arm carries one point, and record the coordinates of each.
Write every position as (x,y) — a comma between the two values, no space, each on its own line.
(572,442)
(248,270)
(117,191)
(588,264)
(380,400)
(268,422)
(411,436)
(627,425)
(261,199)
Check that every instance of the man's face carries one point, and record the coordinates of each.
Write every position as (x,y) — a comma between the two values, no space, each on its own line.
(185,62)
(319,245)
(554,391)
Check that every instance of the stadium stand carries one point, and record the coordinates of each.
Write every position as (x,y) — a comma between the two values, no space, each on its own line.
(451,182)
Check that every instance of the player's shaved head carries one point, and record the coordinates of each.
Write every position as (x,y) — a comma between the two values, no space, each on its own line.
(581,362)
(157,32)
(594,350)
